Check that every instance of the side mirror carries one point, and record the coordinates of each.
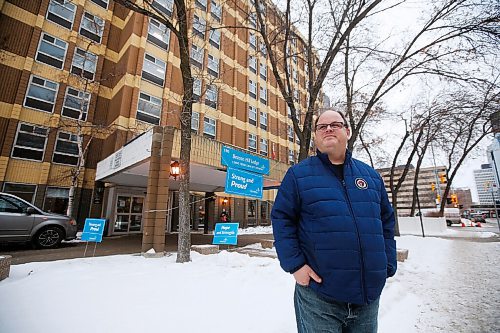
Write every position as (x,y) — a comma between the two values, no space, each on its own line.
(30,211)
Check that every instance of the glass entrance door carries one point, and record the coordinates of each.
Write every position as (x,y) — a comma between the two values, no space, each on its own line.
(128,213)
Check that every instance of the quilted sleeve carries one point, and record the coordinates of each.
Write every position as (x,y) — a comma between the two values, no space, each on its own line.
(388,222)
(285,219)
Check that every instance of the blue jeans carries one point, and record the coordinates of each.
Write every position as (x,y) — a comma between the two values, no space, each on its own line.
(315,315)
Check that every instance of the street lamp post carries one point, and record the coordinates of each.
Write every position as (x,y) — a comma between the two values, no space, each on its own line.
(495,205)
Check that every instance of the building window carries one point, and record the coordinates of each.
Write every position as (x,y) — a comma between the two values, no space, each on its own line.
(102,3)
(214,38)
(213,65)
(288,112)
(30,142)
(216,10)
(296,95)
(197,55)
(251,208)
(253,40)
(290,133)
(158,34)
(201,4)
(199,26)
(294,58)
(291,157)
(252,142)
(252,115)
(263,147)
(211,96)
(76,104)
(84,63)
(66,150)
(51,51)
(252,19)
(149,109)
(252,89)
(209,127)
(23,191)
(61,12)
(252,64)
(92,27)
(263,210)
(263,70)
(41,94)
(263,95)
(154,70)
(164,6)
(56,200)
(195,121)
(196,89)
(263,49)
(295,75)
(263,120)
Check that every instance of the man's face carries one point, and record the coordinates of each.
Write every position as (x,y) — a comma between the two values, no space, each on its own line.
(329,139)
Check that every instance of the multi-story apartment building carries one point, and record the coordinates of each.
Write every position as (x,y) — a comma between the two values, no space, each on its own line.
(95,70)
(486,184)
(429,187)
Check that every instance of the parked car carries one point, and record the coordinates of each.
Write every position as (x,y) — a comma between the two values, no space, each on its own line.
(20,221)
(477,218)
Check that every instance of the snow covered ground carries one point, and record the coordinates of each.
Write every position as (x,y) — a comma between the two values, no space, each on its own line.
(444,286)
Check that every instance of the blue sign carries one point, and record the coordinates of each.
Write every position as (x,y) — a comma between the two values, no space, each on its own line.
(233,158)
(226,233)
(243,183)
(93,230)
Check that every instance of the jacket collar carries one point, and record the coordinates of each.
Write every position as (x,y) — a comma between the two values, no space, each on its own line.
(324,157)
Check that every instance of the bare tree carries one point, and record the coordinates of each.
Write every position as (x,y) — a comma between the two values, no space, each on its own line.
(456,32)
(328,23)
(468,123)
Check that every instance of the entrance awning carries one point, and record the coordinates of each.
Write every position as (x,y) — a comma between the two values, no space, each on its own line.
(129,166)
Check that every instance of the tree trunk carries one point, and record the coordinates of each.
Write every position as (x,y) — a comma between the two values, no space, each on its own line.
(395,208)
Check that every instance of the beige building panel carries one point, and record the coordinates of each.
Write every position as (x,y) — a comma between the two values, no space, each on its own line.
(60,175)
(152,89)
(19,14)
(4,161)
(37,117)
(21,171)
(13,60)
(6,110)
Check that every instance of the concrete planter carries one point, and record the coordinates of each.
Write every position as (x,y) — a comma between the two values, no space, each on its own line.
(5,261)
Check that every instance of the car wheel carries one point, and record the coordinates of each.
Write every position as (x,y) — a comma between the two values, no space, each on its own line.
(48,237)
(448,223)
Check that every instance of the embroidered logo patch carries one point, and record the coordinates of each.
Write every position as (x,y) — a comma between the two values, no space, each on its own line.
(361,183)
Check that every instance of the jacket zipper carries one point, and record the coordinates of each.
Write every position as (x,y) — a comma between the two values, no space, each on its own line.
(359,241)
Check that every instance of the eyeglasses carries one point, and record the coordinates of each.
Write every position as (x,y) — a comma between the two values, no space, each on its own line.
(336,125)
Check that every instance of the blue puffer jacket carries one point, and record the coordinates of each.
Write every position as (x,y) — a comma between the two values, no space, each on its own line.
(343,230)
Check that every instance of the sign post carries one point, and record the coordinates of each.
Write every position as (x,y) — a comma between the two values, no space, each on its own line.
(92,232)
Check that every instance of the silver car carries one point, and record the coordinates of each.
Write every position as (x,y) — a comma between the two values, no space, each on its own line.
(20,221)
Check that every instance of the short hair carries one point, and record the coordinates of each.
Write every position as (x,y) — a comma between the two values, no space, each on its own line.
(344,118)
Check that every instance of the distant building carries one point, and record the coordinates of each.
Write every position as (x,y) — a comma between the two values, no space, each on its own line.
(493,154)
(464,197)
(429,187)
(485,180)
(326,101)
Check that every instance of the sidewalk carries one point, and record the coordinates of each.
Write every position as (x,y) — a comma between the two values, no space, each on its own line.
(114,245)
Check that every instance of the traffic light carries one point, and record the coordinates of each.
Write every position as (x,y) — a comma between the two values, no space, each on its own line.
(448,201)
(454,199)
(438,198)
(442,178)
(433,187)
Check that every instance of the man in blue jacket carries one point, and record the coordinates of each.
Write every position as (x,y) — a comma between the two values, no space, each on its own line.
(333,227)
